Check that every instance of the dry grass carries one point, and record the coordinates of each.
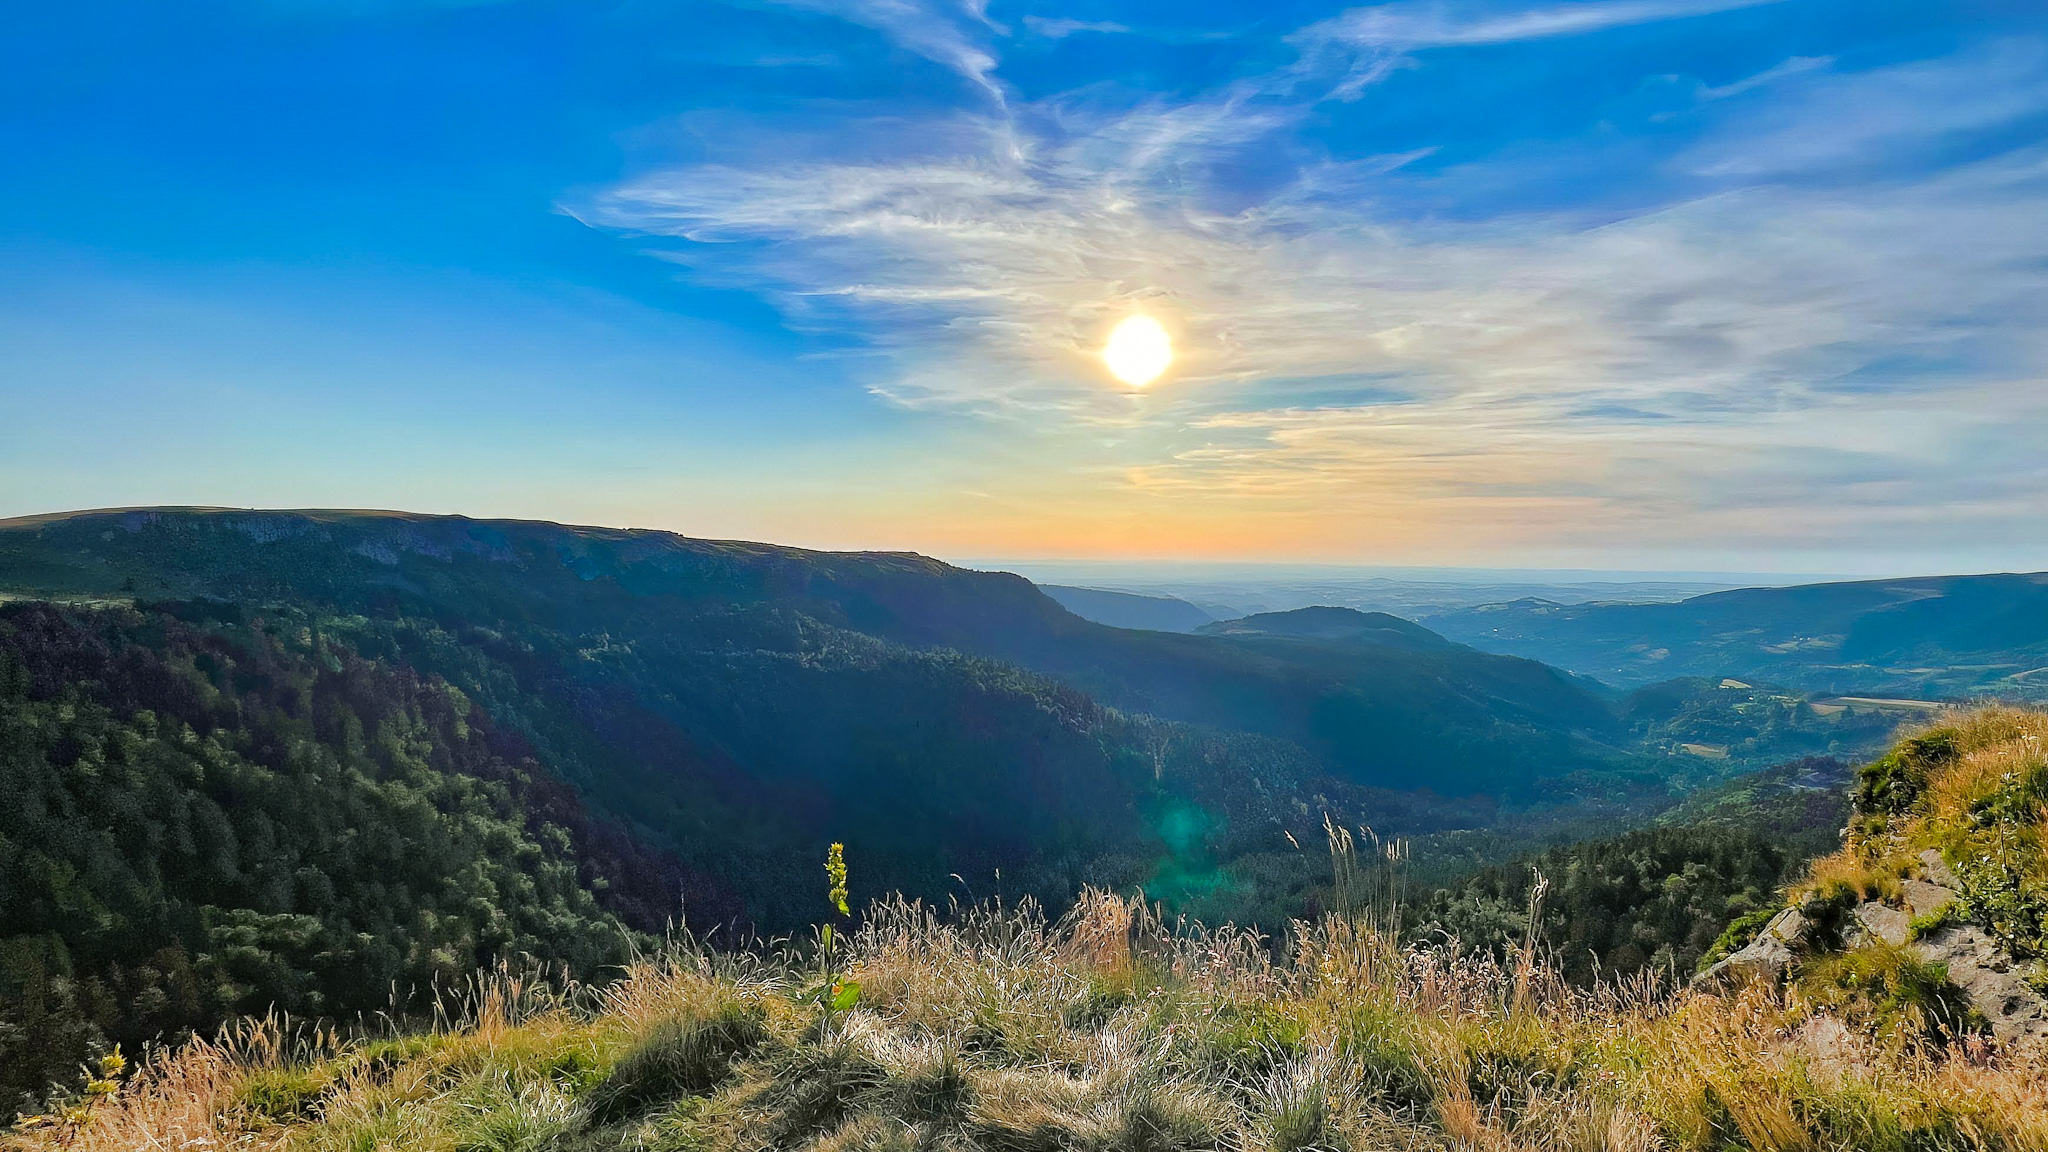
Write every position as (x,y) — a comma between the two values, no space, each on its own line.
(1110,1030)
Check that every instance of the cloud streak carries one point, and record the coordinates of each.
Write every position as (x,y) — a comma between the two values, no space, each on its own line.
(951,33)
(1436,25)
(1771,331)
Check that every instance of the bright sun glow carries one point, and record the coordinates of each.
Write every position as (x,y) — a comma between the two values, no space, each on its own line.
(1138,351)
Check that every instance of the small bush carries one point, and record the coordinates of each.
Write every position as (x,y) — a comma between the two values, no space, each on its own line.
(1736,936)
(1893,784)
(1922,927)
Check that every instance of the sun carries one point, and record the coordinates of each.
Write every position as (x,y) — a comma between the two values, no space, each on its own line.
(1138,351)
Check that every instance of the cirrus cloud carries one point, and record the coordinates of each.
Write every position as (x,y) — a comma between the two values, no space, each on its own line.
(1775,324)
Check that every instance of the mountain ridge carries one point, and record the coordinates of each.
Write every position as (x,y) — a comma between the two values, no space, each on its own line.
(1951,636)
(370,562)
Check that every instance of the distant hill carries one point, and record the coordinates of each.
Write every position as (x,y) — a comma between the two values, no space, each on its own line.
(1128,609)
(1335,624)
(737,704)
(1946,636)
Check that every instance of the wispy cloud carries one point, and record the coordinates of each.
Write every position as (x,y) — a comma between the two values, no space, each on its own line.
(1713,360)
(1430,25)
(952,33)
(1882,119)
(1791,66)
(1371,43)
(1060,27)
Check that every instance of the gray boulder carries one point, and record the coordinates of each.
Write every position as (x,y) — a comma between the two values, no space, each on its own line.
(1993,981)
(1925,899)
(1769,956)
(1882,922)
(1935,870)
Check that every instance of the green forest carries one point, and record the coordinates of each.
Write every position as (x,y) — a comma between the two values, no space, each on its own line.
(198,826)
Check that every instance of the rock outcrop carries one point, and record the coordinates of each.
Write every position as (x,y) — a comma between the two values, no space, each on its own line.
(1991,979)
(1875,921)
(1768,957)
(1988,975)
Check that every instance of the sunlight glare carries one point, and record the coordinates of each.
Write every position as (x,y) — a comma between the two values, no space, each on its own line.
(1138,351)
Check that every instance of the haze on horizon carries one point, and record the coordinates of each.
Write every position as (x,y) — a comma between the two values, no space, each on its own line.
(1645,285)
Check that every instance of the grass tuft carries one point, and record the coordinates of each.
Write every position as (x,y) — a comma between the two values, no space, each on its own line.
(677,1058)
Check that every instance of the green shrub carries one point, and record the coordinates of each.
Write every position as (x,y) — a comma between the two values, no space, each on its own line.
(1922,927)
(1736,936)
(282,1093)
(1893,784)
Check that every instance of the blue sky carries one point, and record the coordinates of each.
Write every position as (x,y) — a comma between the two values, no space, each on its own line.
(1697,284)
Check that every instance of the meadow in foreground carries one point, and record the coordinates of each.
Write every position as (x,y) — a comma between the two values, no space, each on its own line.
(1107,1030)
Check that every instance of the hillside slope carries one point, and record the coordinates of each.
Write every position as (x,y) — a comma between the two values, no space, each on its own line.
(1128,609)
(199,824)
(736,704)
(1946,636)
(1335,625)
(1476,718)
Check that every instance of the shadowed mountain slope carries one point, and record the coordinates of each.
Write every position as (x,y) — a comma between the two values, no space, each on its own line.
(1128,609)
(1334,624)
(1453,720)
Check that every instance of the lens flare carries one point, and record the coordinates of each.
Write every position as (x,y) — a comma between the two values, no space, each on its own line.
(1138,351)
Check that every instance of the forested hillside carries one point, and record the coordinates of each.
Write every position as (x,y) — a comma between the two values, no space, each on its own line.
(1653,899)
(738,704)
(199,824)
(1452,720)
